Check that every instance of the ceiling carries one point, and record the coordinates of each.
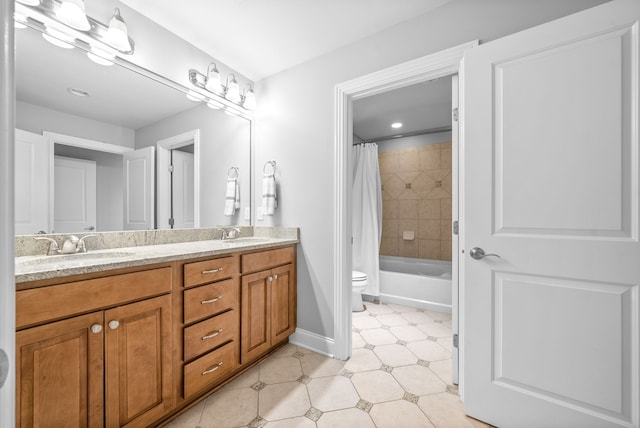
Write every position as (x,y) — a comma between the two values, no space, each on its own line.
(418,107)
(259,38)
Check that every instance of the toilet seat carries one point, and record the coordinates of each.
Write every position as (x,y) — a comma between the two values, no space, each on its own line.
(358,276)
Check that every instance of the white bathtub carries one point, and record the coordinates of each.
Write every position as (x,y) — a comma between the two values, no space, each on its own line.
(424,284)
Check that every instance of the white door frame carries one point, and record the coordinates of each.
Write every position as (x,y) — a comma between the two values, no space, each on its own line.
(163,183)
(439,64)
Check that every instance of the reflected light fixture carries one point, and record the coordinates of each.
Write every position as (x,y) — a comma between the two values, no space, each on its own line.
(117,35)
(194,96)
(71,12)
(30,2)
(233,89)
(212,82)
(215,105)
(78,92)
(57,38)
(100,56)
(249,99)
(396,125)
(19,20)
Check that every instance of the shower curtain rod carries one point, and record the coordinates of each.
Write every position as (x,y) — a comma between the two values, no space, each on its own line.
(407,134)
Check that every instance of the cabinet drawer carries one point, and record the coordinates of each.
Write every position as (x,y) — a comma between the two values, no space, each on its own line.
(58,301)
(211,299)
(211,333)
(267,259)
(209,368)
(209,270)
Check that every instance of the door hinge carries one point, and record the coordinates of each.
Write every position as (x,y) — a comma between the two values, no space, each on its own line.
(170,168)
(171,222)
(455,227)
(455,340)
(455,114)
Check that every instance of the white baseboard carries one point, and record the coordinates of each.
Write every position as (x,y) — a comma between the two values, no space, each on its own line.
(307,339)
(415,303)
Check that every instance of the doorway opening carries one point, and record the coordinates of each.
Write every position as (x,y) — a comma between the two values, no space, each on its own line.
(441,64)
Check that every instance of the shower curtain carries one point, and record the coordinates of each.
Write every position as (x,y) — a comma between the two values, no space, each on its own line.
(367,214)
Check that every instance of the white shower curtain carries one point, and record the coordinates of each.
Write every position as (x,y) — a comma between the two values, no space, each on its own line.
(367,214)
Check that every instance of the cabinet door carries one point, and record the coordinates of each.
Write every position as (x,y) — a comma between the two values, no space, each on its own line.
(283,303)
(138,362)
(60,374)
(256,321)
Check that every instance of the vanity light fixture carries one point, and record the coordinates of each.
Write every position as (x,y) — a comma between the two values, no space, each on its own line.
(20,20)
(65,24)
(117,35)
(212,82)
(249,99)
(233,89)
(71,13)
(194,96)
(219,95)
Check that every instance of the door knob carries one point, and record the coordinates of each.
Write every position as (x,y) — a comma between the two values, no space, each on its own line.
(478,253)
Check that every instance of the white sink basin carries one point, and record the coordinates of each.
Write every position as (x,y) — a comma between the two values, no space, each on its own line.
(78,258)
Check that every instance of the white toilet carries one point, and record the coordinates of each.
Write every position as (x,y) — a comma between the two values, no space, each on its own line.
(358,284)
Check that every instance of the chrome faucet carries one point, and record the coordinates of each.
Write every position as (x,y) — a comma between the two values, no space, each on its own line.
(71,245)
(232,233)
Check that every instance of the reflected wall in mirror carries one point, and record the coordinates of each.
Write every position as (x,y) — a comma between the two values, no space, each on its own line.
(121,111)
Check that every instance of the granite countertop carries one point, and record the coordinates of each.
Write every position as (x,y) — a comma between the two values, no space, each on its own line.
(38,267)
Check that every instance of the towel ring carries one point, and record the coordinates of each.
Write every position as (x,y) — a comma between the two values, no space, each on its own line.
(273,165)
(231,170)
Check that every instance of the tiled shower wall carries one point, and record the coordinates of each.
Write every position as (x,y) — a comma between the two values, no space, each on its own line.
(416,197)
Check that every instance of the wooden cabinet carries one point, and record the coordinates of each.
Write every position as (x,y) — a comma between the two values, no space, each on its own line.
(130,348)
(110,367)
(212,323)
(268,301)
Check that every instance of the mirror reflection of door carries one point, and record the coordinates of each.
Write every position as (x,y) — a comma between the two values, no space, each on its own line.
(182,188)
(74,195)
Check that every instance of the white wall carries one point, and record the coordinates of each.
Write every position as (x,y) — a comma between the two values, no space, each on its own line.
(36,119)
(225,141)
(295,124)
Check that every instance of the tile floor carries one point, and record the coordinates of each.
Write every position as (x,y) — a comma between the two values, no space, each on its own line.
(398,376)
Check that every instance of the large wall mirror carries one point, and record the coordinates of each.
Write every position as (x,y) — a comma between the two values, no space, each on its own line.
(105,148)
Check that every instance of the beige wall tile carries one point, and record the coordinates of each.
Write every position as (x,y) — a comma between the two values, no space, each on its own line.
(430,209)
(390,228)
(408,225)
(408,161)
(394,186)
(423,184)
(445,209)
(445,230)
(429,249)
(408,209)
(388,162)
(445,250)
(429,157)
(389,247)
(445,156)
(390,209)
(429,229)
(408,248)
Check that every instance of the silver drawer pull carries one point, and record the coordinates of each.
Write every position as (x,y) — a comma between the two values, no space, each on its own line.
(211,370)
(214,334)
(215,299)
(204,272)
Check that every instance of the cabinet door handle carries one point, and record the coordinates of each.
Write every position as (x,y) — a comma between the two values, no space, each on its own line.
(210,335)
(211,370)
(204,272)
(275,276)
(113,324)
(96,328)
(215,299)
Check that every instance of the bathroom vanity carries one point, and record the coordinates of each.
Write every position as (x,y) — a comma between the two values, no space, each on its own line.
(132,336)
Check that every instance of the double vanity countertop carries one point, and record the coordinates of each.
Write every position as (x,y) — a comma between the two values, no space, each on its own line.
(39,267)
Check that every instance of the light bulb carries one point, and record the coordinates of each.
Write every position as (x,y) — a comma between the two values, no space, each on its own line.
(250,100)
(30,2)
(233,90)
(71,12)
(117,35)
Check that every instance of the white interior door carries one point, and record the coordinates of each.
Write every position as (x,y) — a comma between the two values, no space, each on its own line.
(550,135)
(74,205)
(139,189)
(32,183)
(182,189)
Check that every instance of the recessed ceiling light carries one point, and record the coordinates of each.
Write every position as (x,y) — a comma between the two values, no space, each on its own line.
(78,92)
(396,125)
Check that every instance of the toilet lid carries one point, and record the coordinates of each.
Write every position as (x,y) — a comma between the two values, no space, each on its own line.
(356,275)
